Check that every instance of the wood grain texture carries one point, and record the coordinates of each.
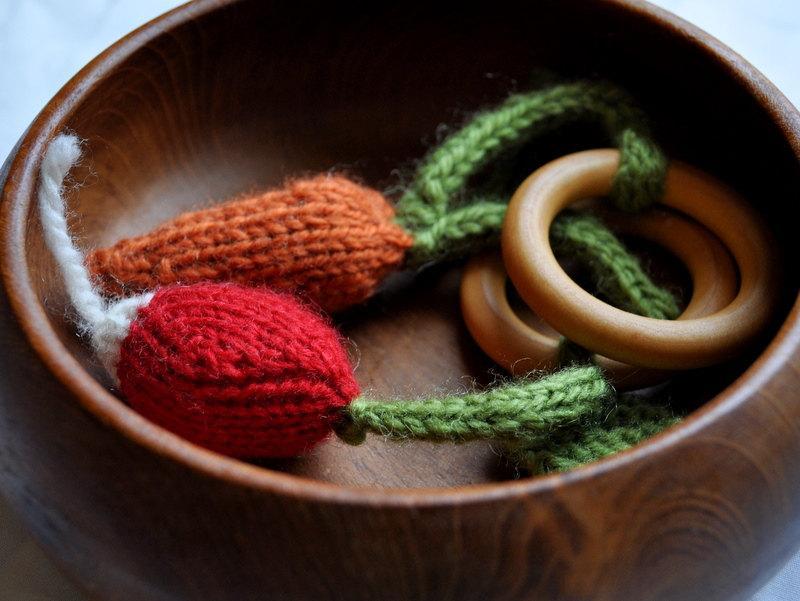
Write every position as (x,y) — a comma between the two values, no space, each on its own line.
(221,97)
(522,342)
(26,574)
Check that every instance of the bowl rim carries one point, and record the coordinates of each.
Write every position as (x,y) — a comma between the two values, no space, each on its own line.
(18,192)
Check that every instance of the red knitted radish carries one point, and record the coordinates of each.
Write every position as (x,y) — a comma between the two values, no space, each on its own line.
(248,372)
(244,371)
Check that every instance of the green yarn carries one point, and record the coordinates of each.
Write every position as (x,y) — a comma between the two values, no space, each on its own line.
(566,418)
(463,230)
(428,208)
(625,426)
(519,410)
(617,274)
(639,181)
(554,423)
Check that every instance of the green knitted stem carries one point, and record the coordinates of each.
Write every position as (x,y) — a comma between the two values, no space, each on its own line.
(626,426)
(523,409)
(617,274)
(426,209)
(562,419)
(461,231)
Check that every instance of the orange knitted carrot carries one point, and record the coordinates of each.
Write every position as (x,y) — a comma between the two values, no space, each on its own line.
(327,237)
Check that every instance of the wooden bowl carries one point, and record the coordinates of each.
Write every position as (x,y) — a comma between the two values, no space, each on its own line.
(219,97)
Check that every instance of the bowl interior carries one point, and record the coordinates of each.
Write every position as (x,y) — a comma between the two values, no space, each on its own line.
(242,96)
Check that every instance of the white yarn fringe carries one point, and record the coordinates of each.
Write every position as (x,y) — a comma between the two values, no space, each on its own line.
(108,324)
(108,336)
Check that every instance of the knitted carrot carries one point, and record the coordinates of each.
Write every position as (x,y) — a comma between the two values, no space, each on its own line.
(333,241)
(327,237)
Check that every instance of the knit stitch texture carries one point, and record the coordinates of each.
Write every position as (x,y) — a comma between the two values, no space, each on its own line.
(430,207)
(626,425)
(617,274)
(247,372)
(326,238)
(520,409)
(251,372)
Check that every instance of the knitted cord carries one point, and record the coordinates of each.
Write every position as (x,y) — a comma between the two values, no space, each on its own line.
(626,426)
(61,154)
(617,274)
(426,208)
(463,230)
(107,324)
(521,409)
(442,230)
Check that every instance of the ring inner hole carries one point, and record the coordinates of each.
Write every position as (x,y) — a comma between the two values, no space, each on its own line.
(663,267)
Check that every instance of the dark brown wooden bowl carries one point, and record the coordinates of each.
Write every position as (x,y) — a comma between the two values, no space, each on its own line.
(218,97)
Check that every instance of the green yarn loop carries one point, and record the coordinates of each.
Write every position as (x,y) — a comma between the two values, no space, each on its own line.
(617,274)
(519,410)
(569,417)
(463,230)
(429,208)
(626,425)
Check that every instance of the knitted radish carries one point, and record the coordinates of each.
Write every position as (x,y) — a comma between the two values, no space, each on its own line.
(251,372)
(244,371)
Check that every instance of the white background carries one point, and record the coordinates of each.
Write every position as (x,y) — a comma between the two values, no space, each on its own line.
(44,42)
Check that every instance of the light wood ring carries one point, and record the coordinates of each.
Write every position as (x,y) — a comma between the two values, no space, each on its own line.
(520,348)
(662,344)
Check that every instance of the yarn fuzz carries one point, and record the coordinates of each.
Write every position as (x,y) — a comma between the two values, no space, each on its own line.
(327,238)
(243,371)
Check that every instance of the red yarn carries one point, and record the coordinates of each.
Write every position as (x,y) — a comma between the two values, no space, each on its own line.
(247,372)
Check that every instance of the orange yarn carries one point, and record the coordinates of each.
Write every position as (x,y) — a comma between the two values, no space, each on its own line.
(326,237)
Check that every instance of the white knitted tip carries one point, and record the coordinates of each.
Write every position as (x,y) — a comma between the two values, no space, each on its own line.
(109,334)
(61,154)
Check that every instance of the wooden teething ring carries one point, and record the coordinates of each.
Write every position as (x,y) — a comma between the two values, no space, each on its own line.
(520,348)
(662,344)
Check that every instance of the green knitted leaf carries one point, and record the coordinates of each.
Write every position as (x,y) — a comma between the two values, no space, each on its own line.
(626,426)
